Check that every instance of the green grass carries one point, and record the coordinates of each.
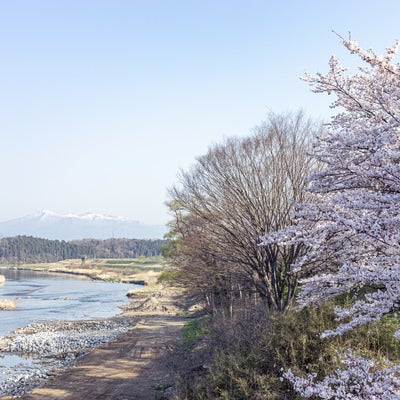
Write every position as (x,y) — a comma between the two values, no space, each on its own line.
(139,264)
(192,332)
(119,262)
(169,277)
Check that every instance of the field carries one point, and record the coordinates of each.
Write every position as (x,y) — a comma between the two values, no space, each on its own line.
(141,270)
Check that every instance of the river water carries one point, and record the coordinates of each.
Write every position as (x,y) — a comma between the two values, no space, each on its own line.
(43,297)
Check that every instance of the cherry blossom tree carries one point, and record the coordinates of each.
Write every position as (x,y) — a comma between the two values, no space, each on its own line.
(352,226)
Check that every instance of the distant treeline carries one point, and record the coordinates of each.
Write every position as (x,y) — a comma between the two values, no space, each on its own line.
(119,248)
(30,249)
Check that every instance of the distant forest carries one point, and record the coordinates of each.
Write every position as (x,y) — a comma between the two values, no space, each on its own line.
(30,249)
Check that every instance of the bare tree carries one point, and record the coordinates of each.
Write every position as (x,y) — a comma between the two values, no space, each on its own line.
(234,194)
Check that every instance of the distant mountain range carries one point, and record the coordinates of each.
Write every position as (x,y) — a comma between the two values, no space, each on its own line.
(50,225)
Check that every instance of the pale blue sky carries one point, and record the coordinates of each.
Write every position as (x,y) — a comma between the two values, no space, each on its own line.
(101,102)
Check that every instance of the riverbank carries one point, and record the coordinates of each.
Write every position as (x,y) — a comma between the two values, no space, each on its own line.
(135,364)
(52,346)
(81,358)
(142,270)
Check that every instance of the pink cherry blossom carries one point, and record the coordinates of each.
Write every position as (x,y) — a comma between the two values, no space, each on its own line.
(351,225)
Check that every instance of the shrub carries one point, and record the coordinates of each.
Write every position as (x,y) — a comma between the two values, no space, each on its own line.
(250,352)
(169,277)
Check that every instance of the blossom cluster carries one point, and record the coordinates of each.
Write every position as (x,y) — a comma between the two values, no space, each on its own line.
(358,381)
(351,225)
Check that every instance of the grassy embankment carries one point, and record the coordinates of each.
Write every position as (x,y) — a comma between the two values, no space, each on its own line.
(136,270)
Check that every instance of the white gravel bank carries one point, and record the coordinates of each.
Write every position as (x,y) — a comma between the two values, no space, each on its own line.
(51,346)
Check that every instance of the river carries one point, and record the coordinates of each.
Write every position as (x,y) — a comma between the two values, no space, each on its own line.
(42,296)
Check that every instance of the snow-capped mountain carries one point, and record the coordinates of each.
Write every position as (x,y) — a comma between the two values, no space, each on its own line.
(50,225)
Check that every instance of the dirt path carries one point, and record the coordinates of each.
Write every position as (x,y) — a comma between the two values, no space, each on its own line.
(132,367)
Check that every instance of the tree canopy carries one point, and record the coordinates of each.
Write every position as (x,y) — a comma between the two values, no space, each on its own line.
(235,193)
(30,249)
